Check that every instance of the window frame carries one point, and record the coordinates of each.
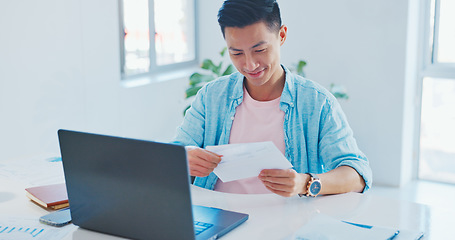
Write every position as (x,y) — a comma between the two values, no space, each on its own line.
(429,67)
(155,69)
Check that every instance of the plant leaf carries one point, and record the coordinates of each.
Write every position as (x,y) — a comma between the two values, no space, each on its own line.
(186,109)
(338,91)
(208,65)
(197,78)
(300,65)
(229,70)
(341,95)
(217,69)
(223,51)
(192,91)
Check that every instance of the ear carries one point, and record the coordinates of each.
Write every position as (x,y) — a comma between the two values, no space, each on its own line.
(283,34)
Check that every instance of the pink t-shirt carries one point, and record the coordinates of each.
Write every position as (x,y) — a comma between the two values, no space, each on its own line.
(254,121)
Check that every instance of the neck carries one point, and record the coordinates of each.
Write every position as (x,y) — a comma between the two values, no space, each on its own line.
(270,90)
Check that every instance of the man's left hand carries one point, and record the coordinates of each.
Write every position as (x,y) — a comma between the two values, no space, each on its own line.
(284,182)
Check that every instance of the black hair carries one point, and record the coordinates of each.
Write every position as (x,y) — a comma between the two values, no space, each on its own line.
(241,13)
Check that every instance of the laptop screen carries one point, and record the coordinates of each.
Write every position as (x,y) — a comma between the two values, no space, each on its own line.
(131,188)
(135,189)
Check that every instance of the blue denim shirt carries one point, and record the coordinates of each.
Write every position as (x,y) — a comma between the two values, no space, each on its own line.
(316,133)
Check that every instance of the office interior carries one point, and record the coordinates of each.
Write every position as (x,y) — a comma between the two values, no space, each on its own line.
(60,68)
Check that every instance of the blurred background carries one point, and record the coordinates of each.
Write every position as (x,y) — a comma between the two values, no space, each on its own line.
(122,68)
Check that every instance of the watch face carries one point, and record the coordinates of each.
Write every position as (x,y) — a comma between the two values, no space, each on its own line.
(315,188)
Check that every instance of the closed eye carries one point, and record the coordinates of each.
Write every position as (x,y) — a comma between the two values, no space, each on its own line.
(260,50)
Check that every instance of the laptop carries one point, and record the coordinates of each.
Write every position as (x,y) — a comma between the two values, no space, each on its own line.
(136,189)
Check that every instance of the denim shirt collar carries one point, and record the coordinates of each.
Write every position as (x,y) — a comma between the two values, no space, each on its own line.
(287,95)
(238,87)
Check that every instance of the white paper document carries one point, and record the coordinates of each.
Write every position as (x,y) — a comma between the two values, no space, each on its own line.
(409,235)
(246,160)
(34,170)
(323,227)
(23,228)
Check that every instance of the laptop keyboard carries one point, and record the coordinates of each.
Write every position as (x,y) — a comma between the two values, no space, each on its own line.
(200,227)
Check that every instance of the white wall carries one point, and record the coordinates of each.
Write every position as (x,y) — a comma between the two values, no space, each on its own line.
(361,45)
(60,68)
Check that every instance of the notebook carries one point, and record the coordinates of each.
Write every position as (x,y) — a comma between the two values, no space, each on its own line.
(49,196)
(136,189)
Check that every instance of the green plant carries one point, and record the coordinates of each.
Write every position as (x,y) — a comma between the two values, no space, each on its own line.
(212,72)
(298,68)
(337,90)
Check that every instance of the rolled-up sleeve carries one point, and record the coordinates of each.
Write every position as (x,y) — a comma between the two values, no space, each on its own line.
(337,146)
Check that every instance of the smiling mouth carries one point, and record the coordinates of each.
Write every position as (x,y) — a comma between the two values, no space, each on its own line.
(257,73)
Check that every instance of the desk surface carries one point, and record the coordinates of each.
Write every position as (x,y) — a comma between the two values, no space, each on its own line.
(272,216)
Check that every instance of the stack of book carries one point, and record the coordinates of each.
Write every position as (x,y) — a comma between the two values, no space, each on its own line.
(49,196)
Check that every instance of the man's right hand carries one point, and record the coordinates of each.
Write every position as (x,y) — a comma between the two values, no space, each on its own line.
(201,162)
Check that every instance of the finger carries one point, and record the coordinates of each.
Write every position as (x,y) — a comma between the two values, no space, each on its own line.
(279,187)
(196,173)
(279,180)
(194,160)
(281,193)
(203,158)
(277,172)
(282,176)
(216,154)
(206,155)
(203,170)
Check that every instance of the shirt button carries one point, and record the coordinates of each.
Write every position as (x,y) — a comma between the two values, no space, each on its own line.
(292,104)
(232,118)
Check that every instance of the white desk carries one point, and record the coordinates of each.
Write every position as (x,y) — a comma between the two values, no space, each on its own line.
(275,217)
(272,216)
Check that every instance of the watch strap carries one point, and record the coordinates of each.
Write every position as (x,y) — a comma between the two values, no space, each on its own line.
(314,176)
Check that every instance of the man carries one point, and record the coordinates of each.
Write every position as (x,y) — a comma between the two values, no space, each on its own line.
(263,101)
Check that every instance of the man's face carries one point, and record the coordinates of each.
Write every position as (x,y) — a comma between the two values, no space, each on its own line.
(255,52)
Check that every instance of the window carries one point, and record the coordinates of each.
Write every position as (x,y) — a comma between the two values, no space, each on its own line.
(437,122)
(444,32)
(156,35)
